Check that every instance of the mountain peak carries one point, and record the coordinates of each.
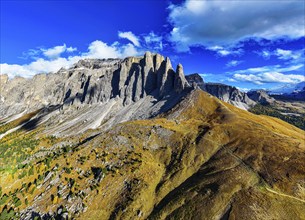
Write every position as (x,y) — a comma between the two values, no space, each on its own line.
(94,81)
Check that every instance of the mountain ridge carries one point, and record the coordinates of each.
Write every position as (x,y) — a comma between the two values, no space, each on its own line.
(97,92)
(229,94)
(130,79)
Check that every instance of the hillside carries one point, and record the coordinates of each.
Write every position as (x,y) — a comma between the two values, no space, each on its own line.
(202,158)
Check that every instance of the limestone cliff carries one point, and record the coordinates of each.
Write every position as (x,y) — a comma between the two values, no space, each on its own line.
(223,92)
(93,81)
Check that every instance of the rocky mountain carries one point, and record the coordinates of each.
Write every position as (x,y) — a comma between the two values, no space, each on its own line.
(96,91)
(260,96)
(289,88)
(224,92)
(290,91)
(132,139)
(300,95)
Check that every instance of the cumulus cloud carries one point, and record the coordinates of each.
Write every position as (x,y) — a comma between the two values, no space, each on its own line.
(96,49)
(269,77)
(130,36)
(99,49)
(38,66)
(54,52)
(211,23)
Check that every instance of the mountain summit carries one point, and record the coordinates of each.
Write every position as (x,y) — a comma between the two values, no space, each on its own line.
(94,81)
(94,91)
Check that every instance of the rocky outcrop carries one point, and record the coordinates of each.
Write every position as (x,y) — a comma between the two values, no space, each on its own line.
(180,82)
(195,80)
(223,92)
(261,97)
(92,81)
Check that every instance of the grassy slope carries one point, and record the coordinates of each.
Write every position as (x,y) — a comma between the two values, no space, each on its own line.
(205,158)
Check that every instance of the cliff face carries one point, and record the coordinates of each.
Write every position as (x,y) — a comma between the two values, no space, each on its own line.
(261,97)
(94,81)
(223,92)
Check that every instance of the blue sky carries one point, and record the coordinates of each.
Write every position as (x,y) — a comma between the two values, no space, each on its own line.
(248,44)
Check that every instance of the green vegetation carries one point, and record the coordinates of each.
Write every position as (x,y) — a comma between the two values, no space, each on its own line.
(298,121)
(3,199)
(14,149)
(7,214)
(17,201)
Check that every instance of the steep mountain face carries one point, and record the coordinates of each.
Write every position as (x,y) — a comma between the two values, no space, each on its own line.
(225,93)
(261,97)
(95,91)
(195,80)
(132,139)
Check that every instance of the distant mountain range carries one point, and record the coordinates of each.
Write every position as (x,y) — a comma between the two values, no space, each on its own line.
(289,89)
(224,92)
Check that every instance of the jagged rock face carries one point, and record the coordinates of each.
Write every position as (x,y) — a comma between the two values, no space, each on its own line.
(260,96)
(223,92)
(229,94)
(93,81)
(195,80)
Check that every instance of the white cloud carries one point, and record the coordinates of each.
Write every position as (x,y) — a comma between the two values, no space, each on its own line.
(291,56)
(96,49)
(31,53)
(153,41)
(221,51)
(265,54)
(129,50)
(269,77)
(272,68)
(54,52)
(288,54)
(243,89)
(130,36)
(49,53)
(233,63)
(211,23)
(38,66)
(15,70)
(71,49)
